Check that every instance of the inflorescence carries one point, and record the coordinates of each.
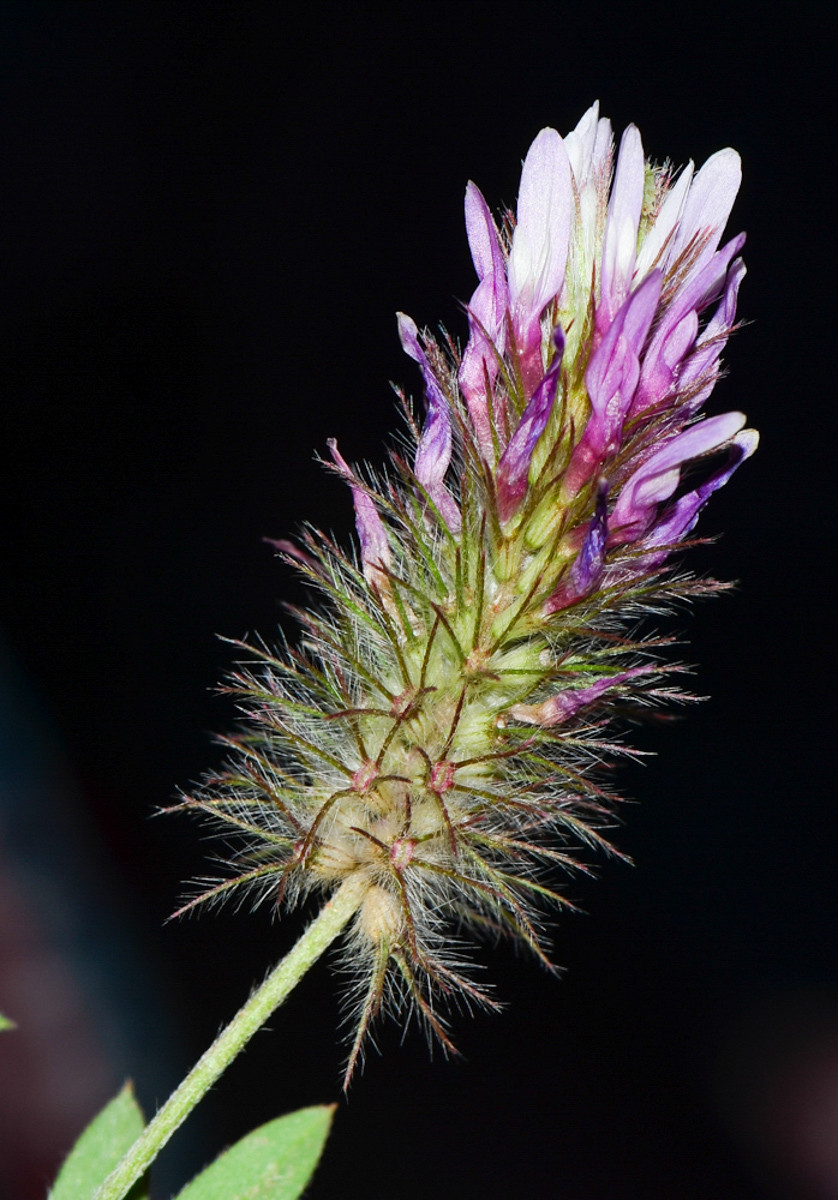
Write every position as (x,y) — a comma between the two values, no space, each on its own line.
(438,733)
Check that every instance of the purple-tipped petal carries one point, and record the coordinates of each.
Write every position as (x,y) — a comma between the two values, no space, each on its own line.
(562,707)
(658,477)
(514,466)
(620,242)
(680,519)
(539,246)
(487,318)
(375,546)
(433,454)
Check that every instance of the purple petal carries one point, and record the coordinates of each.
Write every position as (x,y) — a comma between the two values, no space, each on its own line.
(672,343)
(703,362)
(678,520)
(479,365)
(704,286)
(658,477)
(567,704)
(611,379)
(375,546)
(487,318)
(587,567)
(620,243)
(663,356)
(433,454)
(539,246)
(515,464)
(613,371)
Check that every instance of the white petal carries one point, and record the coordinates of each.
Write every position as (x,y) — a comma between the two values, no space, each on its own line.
(709,202)
(600,159)
(624,207)
(580,143)
(545,209)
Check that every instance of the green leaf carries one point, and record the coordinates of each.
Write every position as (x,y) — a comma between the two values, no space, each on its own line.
(101,1146)
(274,1162)
(5,1023)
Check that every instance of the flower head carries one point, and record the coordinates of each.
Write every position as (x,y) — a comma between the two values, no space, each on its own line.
(439,732)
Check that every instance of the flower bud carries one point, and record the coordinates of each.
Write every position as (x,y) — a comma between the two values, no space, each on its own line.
(380,917)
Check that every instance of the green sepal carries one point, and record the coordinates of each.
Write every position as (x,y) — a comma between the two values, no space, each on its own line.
(5,1023)
(274,1162)
(109,1136)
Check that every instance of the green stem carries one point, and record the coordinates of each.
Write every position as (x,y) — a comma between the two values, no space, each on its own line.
(250,1017)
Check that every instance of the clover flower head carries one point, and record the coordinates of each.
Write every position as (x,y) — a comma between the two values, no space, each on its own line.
(438,735)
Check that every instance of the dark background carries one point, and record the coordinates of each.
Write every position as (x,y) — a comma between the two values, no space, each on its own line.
(210,214)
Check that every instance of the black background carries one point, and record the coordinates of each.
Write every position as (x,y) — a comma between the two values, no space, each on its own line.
(210,214)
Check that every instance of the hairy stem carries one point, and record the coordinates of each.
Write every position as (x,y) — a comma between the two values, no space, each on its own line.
(250,1017)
